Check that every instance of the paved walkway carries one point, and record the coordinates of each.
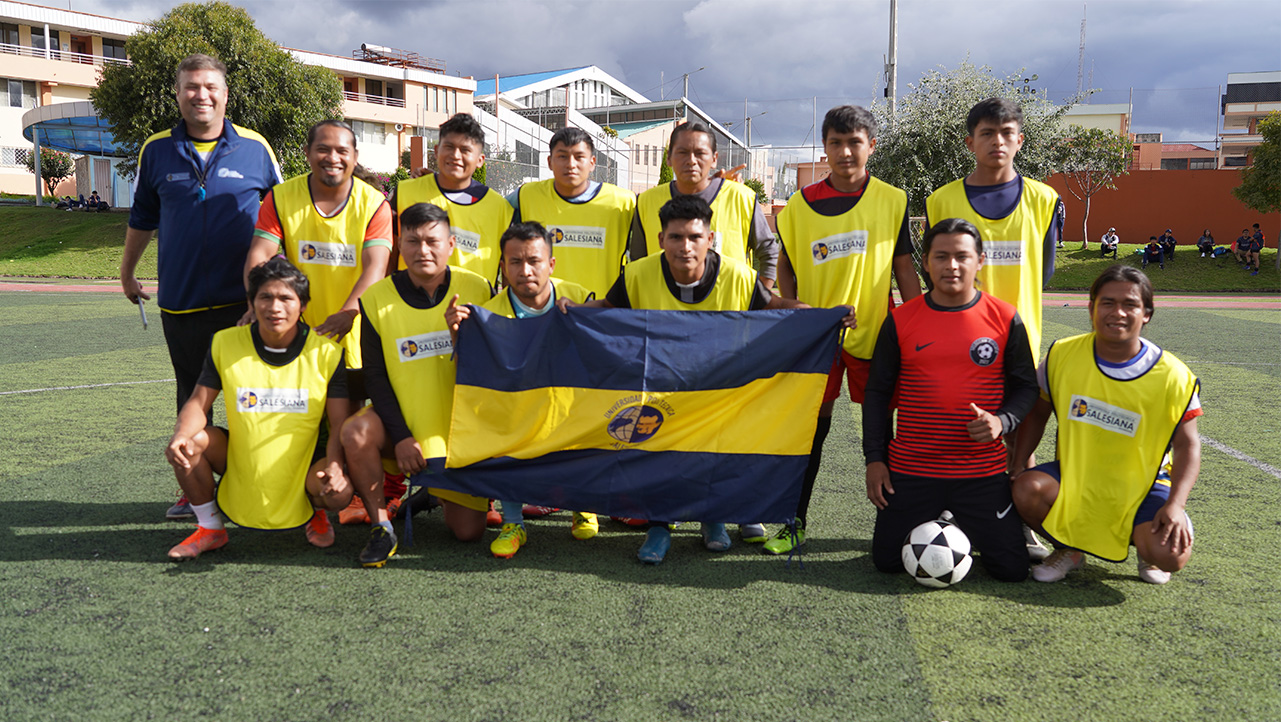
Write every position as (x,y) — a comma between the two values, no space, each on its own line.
(1270,302)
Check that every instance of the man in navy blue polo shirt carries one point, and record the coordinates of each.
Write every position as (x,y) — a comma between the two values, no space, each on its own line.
(199,186)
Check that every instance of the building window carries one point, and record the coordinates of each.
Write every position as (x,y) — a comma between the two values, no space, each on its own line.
(37,40)
(8,34)
(17,93)
(1201,164)
(113,48)
(369,133)
(1174,164)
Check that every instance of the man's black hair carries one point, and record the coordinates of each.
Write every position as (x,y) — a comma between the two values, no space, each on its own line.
(685,208)
(997,110)
(311,132)
(278,268)
(466,125)
(525,231)
(569,137)
(422,214)
(847,119)
(690,126)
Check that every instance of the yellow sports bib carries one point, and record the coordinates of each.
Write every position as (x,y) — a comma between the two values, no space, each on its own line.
(1112,437)
(273,420)
(847,259)
(732,212)
(647,289)
(327,250)
(589,239)
(418,354)
(476,226)
(1014,246)
(502,303)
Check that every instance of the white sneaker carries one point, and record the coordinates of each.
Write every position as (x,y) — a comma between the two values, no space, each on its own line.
(1151,573)
(1036,551)
(1057,565)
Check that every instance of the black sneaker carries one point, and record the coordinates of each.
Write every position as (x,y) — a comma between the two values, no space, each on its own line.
(381,547)
(418,502)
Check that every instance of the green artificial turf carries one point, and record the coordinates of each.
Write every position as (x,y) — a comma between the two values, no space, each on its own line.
(98,625)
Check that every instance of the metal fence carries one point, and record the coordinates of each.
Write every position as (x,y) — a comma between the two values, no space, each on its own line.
(11,156)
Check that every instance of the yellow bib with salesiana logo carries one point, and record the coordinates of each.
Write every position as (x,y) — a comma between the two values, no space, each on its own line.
(846,259)
(1112,437)
(327,250)
(476,226)
(419,358)
(732,212)
(1014,246)
(588,239)
(273,420)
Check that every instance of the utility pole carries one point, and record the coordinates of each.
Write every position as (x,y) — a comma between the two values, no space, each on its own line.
(891,65)
(1080,55)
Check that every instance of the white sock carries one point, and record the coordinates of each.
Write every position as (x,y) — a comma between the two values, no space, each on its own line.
(207,515)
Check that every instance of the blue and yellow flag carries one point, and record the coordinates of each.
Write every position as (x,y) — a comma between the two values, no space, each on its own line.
(646,414)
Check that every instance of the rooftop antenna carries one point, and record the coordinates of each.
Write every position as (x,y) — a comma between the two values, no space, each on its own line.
(1080,57)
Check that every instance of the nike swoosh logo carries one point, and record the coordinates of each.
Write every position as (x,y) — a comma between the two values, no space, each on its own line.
(1001,514)
(920,346)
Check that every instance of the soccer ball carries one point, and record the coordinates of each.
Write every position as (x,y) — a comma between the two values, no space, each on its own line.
(937,554)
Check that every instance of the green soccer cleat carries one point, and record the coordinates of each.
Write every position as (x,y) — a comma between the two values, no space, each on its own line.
(785,540)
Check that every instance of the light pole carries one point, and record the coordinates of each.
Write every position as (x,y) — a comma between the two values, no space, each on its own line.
(685,91)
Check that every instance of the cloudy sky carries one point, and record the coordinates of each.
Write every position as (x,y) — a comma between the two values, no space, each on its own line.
(779,56)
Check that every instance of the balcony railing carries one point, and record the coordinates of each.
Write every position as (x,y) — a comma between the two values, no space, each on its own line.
(64,55)
(378,99)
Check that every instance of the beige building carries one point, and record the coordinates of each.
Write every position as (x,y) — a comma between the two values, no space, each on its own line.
(50,57)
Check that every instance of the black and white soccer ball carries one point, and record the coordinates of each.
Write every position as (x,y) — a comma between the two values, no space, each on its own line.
(937,554)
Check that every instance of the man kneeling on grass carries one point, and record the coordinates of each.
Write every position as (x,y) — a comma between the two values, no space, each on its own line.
(280,380)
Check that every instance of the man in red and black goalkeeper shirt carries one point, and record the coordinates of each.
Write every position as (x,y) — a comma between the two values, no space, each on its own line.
(960,361)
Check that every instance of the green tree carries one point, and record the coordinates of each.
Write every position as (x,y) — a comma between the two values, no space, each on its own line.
(665,174)
(757,185)
(923,146)
(1260,187)
(268,90)
(55,167)
(1091,159)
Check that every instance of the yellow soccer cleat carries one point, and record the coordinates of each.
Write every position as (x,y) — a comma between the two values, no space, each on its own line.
(509,541)
(585,525)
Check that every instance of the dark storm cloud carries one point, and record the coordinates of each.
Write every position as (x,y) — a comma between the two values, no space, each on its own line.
(779,56)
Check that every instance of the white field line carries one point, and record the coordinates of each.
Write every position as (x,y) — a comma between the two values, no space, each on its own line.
(1240,456)
(85,386)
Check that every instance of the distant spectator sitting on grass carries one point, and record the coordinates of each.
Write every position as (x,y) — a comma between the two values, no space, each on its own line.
(1206,243)
(1109,243)
(1152,253)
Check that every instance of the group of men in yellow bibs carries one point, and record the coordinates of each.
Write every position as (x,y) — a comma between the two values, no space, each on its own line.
(377,320)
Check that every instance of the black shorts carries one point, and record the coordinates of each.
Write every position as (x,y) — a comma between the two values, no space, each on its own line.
(982,508)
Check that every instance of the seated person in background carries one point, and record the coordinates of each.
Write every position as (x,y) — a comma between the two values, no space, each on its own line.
(1206,243)
(1152,253)
(1167,244)
(1241,246)
(1256,247)
(1109,243)
(1122,405)
(280,379)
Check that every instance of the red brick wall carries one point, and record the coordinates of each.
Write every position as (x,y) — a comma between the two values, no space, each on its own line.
(1145,203)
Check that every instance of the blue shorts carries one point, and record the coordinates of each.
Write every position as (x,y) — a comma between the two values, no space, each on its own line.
(1156,498)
